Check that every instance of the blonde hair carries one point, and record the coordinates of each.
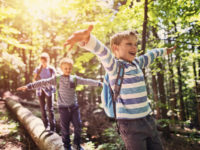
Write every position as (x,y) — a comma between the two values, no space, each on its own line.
(66,60)
(118,37)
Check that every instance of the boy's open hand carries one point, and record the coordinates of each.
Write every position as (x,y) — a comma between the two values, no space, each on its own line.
(79,36)
(22,88)
(170,50)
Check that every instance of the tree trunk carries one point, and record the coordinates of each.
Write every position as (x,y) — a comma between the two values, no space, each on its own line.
(197,90)
(173,99)
(26,66)
(155,96)
(144,33)
(5,81)
(172,89)
(162,91)
(182,105)
(163,100)
(30,71)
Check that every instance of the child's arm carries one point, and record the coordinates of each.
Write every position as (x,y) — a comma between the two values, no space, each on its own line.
(39,84)
(90,82)
(89,42)
(148,58)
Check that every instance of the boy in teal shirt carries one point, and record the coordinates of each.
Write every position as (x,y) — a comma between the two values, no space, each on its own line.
(136,125)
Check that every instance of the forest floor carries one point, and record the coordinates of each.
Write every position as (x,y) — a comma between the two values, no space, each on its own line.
(95,122)
(12,134)
(97,130)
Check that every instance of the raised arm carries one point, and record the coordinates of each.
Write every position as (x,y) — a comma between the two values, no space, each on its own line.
(90,43)
(148,58)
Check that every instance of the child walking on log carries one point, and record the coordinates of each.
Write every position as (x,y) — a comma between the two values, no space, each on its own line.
(67,100)
(44,71)
(133,113)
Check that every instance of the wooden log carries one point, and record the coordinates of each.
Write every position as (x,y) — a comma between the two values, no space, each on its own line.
(35,127)
(27,103)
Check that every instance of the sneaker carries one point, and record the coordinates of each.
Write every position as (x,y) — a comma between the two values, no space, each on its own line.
(48,130)
(67,148)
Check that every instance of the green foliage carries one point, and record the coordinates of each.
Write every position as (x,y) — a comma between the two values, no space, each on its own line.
(89,145)
(29,27)
(164,122)
(112,140)
(12,126)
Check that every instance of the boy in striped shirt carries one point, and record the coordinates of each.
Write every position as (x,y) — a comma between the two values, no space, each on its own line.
(136,125)
(67,100)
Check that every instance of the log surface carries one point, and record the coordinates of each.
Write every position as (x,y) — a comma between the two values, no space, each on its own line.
(35,127)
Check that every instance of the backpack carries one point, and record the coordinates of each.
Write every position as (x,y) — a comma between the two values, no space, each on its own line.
(108,96)
(39,71)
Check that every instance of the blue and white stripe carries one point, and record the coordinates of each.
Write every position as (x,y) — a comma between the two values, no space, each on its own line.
(132,102)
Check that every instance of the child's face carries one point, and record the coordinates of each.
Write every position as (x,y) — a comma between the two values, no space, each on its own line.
(127,49)
(66,69)
(43,61)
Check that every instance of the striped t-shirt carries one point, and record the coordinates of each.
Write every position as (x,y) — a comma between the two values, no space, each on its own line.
(67,94)
(132,102)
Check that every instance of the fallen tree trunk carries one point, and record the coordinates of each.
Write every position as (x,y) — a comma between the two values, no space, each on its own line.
(32,104)
(35,127)
(182,132)
(195,134)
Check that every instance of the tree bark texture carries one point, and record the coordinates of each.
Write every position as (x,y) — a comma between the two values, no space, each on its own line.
(35,127)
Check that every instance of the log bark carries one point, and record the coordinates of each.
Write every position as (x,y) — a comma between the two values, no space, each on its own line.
(35,127)
(178,130)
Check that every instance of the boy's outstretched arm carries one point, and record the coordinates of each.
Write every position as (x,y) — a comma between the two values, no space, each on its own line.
(90,43)
(148,58)
(81,36)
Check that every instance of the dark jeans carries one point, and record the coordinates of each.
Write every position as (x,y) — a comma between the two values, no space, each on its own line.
(67,115)
(48,105)
(140,134)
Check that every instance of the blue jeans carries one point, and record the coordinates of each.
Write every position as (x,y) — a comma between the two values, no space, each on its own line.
(48,105)
(140,134)
(67,115)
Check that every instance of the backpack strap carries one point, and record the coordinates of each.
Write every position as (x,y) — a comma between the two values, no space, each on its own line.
(75,81)
(57,86)
(38,73)
(119,80)
(57,81)
(117,87)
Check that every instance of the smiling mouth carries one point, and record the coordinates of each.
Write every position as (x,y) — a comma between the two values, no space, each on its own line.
(132,53)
